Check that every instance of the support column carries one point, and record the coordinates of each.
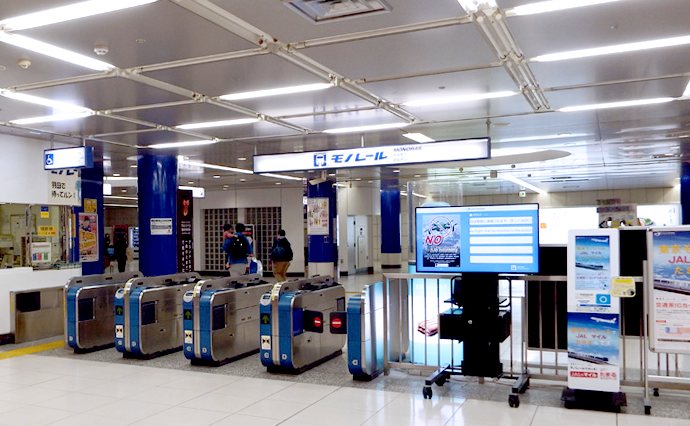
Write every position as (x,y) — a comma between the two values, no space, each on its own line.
(390,223)
(157,180)
(685,191)
(92,189)
(323,251)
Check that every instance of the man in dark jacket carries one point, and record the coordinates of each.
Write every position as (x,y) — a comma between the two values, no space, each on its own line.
(281,255)
(238,249)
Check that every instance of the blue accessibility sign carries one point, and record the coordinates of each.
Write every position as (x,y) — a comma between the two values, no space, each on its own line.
(49,160)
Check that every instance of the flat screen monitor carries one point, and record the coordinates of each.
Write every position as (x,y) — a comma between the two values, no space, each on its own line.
(498,239)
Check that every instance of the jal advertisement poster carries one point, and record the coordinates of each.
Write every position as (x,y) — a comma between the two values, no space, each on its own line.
(670,304)
(593,313)
(593,351)
(88,237)
(440,240)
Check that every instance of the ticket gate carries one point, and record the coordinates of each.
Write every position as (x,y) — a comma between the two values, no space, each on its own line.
(89,317)
(221,319)
(148,315)
(303,323)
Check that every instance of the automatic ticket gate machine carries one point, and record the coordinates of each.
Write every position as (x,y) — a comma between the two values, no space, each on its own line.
(303,323)
(89,317)
(148,314)
(221,319)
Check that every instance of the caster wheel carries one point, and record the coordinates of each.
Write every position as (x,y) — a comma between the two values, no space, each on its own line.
(426,391)
(656,392)
(514,401)
(648,410)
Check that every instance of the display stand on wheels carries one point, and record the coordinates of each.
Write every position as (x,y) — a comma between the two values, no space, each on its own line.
(482,320)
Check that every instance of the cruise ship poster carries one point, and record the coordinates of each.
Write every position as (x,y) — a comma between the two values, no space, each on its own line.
(593,351)
(592,263)
(671,304)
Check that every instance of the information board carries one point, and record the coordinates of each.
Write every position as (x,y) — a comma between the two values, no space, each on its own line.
(503,239)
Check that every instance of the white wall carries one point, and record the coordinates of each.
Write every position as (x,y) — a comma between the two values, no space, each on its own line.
(22,178)
(290,200)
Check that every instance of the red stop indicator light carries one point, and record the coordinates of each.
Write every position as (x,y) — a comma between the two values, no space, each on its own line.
(337,323)
(317,322)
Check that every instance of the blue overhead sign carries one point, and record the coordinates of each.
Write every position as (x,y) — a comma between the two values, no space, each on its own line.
(68,158)
(388,155)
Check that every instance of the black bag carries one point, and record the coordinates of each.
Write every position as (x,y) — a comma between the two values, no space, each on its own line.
(278,253)
(238,248)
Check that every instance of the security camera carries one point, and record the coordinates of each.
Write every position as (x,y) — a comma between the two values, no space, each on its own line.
(24,63)
(100,50)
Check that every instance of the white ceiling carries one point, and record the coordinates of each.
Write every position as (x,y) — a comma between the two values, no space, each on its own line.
(173,57)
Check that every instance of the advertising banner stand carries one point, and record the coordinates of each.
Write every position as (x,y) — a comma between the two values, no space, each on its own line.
(668,297)
(593,321)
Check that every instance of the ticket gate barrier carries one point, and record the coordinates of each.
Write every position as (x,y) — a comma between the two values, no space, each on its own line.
(366,340)
(303,323)
(221,319)
(148,315)
(89,317)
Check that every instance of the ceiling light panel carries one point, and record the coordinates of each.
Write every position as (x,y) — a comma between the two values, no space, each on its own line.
(552,6)
(319,11)
(68,13)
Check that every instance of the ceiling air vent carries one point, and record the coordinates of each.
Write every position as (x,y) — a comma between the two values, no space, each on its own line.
(320,11)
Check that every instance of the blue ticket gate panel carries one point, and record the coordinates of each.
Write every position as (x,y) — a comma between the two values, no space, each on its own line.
(221,319)
(89,317)
(302,324)
(148,314)
(365,333)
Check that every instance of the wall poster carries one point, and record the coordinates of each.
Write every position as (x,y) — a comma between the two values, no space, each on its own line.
(185,238)
(88,237)
(593,313)
(317,216)
(669,256)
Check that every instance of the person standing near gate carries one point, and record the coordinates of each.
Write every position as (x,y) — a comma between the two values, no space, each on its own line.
(281,255)
(238,249)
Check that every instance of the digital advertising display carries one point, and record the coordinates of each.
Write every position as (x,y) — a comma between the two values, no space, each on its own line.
(498,239)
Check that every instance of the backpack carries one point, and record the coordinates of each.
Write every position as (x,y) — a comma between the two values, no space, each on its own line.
(238,248)
(278,253)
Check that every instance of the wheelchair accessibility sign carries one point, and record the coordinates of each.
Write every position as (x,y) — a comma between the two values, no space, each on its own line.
(50,159)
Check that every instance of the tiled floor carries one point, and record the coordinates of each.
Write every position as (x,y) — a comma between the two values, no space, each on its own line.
(59,388)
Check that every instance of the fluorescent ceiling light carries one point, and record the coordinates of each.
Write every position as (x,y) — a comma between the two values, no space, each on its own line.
(619,48)
(551,6)
(474,5)
(62,106)
(540,138)
(367,128)
(67,13)
(120,205)
(686,93)
(418,137)
(275,92)
(522,183)
(637,102)
(181,144)
(213,166)
(49,118)
(281,176)
(54,51)
(462,98)
(218,123)
(120,178)
(121,197)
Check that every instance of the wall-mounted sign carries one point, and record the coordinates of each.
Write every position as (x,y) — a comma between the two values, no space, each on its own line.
(46,231)
(64,187)
(388,155)
(197,192)
(68,158)
(90,205)
(161,226)
(45,212)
